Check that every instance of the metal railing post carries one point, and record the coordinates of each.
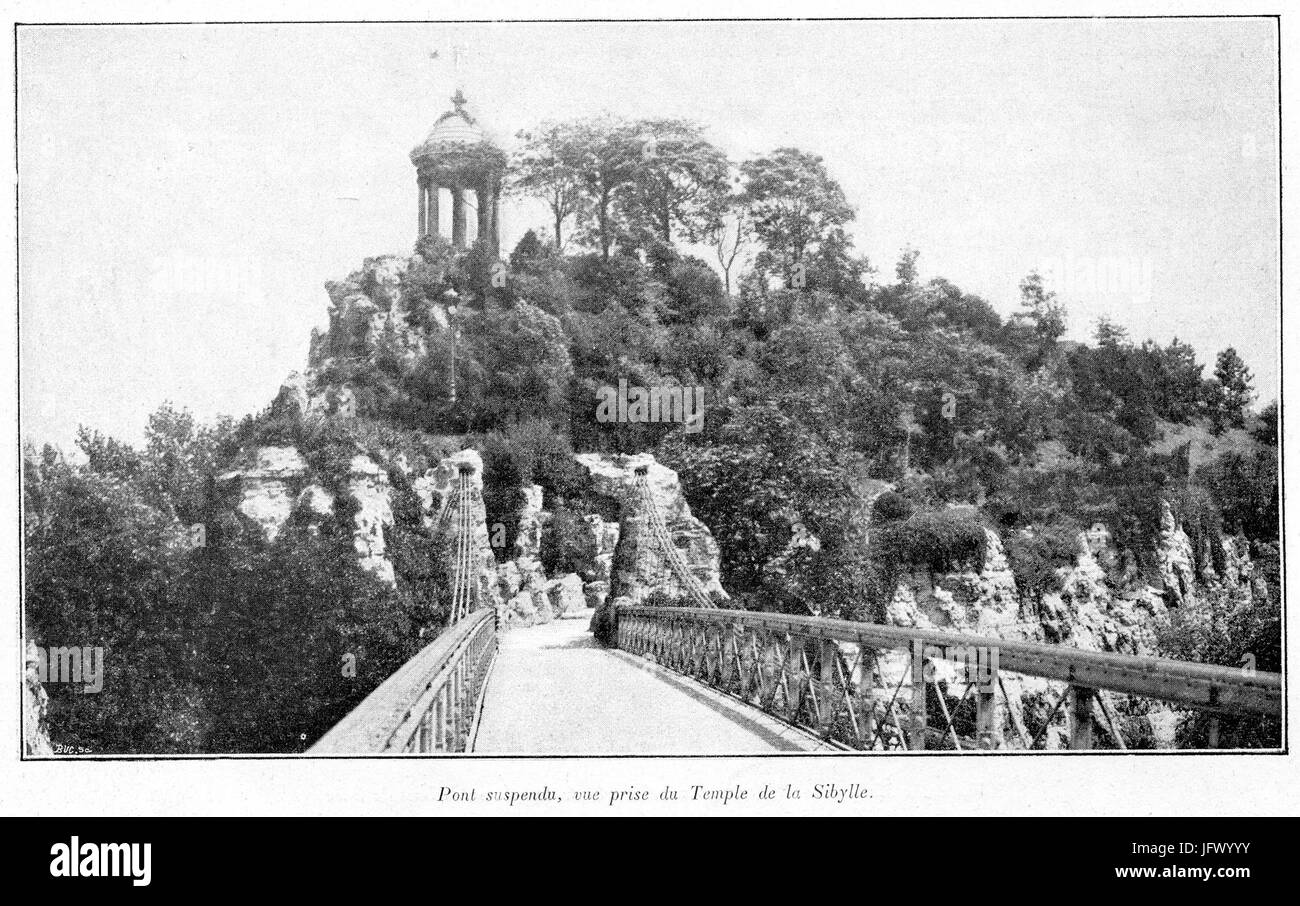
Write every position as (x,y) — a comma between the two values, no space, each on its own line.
(918,721)
(987,730)
(1079,717)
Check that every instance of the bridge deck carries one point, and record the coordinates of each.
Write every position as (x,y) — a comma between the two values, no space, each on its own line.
(554,691)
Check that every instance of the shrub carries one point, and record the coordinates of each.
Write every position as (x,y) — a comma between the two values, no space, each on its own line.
(1212,628)
(603,626)
(661,598)
(1035,556)
(938,541)
(890,507)
(1244,487)
(568,545)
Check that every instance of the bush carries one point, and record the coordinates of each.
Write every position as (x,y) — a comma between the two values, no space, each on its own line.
(568,545)
(1244,487)
(938,541)
(661,598)
(890,507)
(1035,556)
(1212,628)
(603,626)
(503,479)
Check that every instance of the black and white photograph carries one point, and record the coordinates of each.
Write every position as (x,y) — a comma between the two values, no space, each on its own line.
(867,394)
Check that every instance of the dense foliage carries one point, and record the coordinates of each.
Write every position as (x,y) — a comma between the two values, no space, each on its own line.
(820,383)
(237,645)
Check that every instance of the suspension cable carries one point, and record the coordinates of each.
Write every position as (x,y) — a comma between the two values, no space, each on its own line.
(663,539)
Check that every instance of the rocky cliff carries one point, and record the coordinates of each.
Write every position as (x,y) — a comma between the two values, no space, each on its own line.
(637,568)
(36,737)
(626,563)
(1099,604)
(270,484)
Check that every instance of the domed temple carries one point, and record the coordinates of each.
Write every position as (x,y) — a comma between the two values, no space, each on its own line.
(458,156)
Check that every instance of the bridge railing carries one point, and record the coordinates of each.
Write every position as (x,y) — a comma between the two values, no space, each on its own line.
(822,675)
(431,704)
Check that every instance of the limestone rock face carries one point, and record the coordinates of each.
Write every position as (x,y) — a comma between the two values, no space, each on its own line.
(521,609)
(367,311)
(978,601)
(510,579)
(368,485)
(566,594)
(532,519)
(1099,603)
(293,396)
(596,593)
(317,503)
(268,479)
(36,737)
(637,566)
(1174,555)
(606,534)
(1086,611)
(1090,613)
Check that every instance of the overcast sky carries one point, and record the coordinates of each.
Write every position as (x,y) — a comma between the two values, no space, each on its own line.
(186,191)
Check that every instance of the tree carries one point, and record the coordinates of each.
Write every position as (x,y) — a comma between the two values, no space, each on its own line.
(102,571)
(1245,489)
(523,362)
(1175,379)
(905,269)
(1266,431)
(729,237)
(542,168)
(767,479)
(180,455)
(1232,389)
(602,154)
(680,182)
(794,205)
(1110,334)
(1040,310)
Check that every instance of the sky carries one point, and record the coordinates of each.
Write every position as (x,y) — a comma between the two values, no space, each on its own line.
(186,191)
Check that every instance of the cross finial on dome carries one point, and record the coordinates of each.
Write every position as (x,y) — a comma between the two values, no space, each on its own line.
(459,100)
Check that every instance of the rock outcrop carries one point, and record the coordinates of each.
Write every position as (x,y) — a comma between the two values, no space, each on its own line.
(522,579)
(979,601)
(637,567)
(36,737)
(267,481)
(566,595)
(368,311)
(272,483)
(1175,556)
(1100,603)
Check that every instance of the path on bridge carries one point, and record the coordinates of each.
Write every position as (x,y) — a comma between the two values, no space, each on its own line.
(555,691)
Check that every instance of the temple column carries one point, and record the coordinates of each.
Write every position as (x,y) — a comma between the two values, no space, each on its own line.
(484,199)
(423,229)
(432,222)
(458,222)
(496,217)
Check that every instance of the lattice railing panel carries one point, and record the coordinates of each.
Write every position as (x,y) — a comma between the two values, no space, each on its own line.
(826,676)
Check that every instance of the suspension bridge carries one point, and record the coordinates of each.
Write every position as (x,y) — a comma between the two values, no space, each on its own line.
(708,680)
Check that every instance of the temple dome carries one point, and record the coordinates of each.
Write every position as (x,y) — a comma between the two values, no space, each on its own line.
(453,127)
(456,126)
